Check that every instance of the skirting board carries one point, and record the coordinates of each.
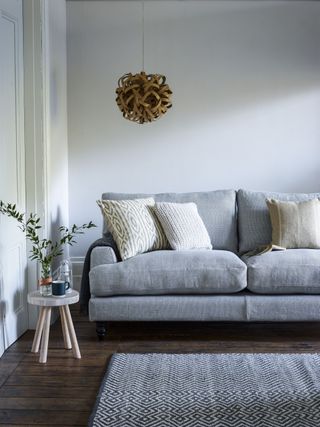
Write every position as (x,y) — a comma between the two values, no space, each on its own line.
(77,267)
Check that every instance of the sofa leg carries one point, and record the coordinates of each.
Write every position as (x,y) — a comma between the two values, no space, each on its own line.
(101,330)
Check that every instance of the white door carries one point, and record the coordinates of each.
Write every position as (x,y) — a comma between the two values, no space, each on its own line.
(13,289)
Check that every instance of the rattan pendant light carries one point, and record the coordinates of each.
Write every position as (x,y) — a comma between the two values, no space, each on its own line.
(142,97)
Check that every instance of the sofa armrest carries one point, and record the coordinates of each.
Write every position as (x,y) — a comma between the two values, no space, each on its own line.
(102,255)
(111,254)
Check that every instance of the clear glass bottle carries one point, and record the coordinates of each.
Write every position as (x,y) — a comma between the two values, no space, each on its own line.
(45,282)
(65,273)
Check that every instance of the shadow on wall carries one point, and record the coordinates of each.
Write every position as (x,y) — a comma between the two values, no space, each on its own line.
(55,236)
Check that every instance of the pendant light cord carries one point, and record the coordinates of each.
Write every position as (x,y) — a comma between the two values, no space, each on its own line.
(142,35)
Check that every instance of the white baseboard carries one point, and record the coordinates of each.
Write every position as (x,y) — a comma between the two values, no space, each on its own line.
(77,267)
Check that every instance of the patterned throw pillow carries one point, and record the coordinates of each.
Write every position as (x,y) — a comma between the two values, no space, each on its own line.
(133,226)
(295,224)
(183,226)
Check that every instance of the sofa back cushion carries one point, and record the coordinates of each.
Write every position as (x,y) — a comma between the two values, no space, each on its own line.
(216,208)
(254,219)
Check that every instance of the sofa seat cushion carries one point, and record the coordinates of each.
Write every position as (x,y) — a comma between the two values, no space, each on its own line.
(171,272)
(293,271)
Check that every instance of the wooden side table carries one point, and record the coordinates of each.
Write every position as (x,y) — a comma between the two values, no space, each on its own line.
(43,324)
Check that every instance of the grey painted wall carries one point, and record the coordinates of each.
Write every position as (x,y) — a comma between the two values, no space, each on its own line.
(246,99)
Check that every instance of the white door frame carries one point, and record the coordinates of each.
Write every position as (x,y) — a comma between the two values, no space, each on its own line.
(36,124)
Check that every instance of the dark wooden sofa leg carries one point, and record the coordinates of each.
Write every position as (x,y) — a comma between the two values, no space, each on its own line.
(101,330)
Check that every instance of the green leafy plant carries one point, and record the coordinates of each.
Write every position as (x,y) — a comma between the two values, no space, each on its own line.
(43,250)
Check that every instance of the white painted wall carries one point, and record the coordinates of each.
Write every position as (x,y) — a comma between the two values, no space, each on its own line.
(56,129)
(246,99)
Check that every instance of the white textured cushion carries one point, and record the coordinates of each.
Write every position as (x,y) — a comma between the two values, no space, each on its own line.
(183,226)
(133,226)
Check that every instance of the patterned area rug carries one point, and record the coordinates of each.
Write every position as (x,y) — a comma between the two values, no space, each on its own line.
(216,390)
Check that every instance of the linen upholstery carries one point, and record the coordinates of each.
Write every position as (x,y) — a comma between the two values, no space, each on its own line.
(168,308)
(183,226)
(242,306)
(254,219)
(106,242)
(133,226)
(294,271)
(216,208)
(102,255)
(295,224)
(218,212)
(171,272)
(283,308)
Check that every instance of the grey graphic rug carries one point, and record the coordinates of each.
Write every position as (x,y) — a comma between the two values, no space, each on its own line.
(216,390)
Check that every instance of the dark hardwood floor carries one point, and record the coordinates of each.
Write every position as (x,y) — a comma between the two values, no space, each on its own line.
(63,391)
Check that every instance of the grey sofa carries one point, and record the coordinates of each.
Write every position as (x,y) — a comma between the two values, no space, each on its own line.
(225,284)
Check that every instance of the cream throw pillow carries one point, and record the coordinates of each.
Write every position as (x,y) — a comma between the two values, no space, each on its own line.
(295,224)
(133,225)
(183,226)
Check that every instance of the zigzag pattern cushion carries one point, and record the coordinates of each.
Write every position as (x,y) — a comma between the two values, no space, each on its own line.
(133,226)
(183,226)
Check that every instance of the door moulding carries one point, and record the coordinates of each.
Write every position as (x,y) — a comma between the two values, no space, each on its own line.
(36,134)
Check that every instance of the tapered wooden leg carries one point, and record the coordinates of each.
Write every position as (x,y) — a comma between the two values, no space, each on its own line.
(75,346)
(38,333)
(66,335)
(45,336)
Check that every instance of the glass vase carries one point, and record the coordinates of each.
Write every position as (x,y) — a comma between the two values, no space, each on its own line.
(45,283)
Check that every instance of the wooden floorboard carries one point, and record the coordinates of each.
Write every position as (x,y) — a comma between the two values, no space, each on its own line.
(63,391)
